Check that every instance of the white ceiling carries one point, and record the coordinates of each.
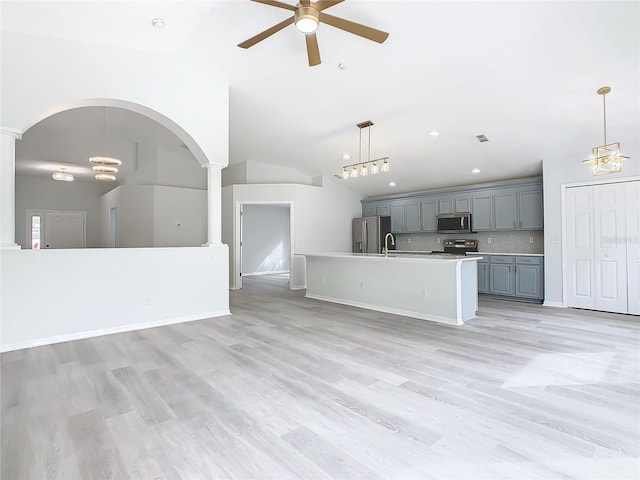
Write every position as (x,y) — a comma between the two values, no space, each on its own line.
(522,73)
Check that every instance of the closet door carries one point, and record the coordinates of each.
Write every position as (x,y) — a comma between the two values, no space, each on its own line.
(632,202)
(580,249)
(610,252)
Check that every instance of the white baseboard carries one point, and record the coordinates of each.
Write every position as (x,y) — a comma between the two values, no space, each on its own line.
(391,310)
(554,304)
(270,272)
(7,347)
(297,287)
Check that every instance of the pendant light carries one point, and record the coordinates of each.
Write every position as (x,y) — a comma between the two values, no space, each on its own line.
(105,167)
(364,168)
(607,157)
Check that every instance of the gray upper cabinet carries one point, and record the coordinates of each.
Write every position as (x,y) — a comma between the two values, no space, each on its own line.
(514,205)
(412,218)
(506,210)
(454,204)
(429,213)
(482,212)
(530,210)
(405,217)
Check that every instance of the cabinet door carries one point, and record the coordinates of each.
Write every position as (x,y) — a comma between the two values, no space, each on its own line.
(368,210)
(501,277)
(528,281)
(383,210)
(462,204)
(397,218)
(530,210)
(505,205)
(482,212)
(446,205)
(483,277)
(429,213)
(412,217)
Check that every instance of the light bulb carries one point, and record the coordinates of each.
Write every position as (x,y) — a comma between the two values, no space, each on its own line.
(385,166)
(374,168)
(364,170)
(354,172)
(345,172)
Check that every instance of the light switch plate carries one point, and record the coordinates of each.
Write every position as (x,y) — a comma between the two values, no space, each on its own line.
(489,240)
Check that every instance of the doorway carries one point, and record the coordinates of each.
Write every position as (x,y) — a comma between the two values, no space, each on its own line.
(265,240)
(56,230)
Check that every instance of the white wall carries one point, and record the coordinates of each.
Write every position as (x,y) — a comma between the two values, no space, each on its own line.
(37,193)
(179,217)
(263,173)
(561,171)
(322,217)
(155,216)
(173,167)
(134,216)
(51,296)
(187,97)
(266,245)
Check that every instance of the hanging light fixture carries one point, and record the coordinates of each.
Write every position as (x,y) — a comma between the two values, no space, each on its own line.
(105,167)
(62,175)
(364,168)
(607,157)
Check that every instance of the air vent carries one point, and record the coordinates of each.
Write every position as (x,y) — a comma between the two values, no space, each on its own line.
(482,138)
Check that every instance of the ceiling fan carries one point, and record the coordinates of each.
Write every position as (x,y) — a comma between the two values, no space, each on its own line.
(307,15)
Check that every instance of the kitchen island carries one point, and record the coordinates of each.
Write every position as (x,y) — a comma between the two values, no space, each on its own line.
(438,288)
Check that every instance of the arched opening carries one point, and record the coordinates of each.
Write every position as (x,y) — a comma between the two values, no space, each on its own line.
(157,197)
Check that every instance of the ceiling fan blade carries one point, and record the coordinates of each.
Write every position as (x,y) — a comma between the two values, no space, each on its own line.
(313,52)
(355,28)
(267,33)
(324,4)
(275,3)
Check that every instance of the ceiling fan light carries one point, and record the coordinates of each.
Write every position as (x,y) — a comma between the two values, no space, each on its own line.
(306,19)
(99,160)
(105,169)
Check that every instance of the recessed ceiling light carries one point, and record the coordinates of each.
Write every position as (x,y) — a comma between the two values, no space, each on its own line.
(476,171)
(158,22)
(392,184)
(434,133)
(342,66)
(346,157)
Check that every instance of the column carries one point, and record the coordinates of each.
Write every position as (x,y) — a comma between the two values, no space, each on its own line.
(214,205)
(8,138)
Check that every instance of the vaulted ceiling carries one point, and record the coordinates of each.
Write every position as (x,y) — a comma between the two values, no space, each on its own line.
(524,74)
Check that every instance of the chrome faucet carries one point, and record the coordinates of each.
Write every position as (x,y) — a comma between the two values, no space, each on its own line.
(386,248)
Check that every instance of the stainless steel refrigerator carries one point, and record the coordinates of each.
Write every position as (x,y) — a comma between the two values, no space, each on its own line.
(369,233)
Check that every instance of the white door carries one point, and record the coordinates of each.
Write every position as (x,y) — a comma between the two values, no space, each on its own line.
(580,249)
(610,252)
(632,193)
(64,230)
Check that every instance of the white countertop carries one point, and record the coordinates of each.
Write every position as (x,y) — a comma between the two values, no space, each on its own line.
(510,254)
(394,256)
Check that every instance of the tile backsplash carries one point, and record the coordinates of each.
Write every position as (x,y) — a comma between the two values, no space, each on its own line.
(501,242)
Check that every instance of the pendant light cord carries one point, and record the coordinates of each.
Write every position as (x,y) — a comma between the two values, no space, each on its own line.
(604,110)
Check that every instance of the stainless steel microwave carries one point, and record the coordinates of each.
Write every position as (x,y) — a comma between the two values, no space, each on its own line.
(454,223)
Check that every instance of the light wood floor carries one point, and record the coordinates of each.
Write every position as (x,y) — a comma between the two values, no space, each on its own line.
(293,388)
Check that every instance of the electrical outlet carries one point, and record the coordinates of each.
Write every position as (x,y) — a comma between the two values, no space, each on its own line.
(438,240)
(489,240)
(424,293)
(147,300)
(323,280)
(409,240)
(361,285)
(530,239)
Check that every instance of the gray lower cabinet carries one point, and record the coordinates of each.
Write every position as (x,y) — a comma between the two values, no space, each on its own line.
(483,276)
(501,279)
(512,276)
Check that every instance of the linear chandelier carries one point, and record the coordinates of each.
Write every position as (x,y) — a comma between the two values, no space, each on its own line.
(607,157)
(362,169)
